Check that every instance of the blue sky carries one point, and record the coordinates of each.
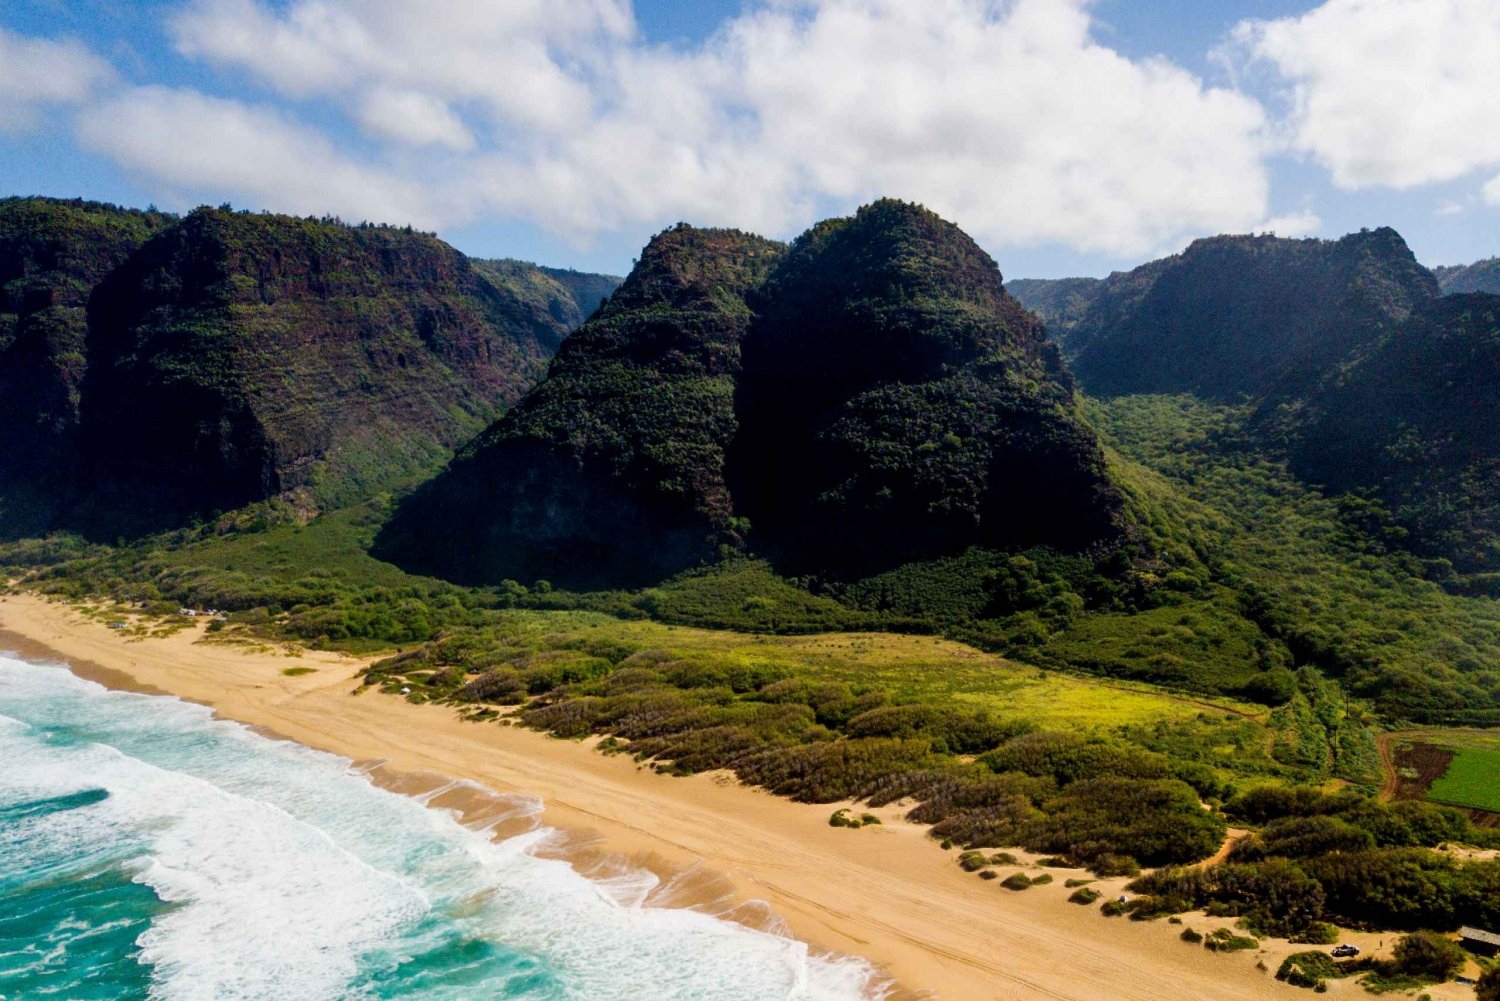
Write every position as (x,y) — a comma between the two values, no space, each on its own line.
(1069,137)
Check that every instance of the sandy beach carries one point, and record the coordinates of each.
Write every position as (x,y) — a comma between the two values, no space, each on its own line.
(886,893)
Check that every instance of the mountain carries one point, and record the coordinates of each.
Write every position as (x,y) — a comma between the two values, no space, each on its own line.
(868,397)
(155,368)
(613,469)
(1481,276)
(897,404)
(1060,302)
(569,297)
(1416,421)
(1239,315)
(239,357)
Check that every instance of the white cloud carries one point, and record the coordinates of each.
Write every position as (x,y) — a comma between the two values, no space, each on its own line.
(1304,223)
(199,148)
(1393,93)
(411,117)
(517,57)
(1492,192)
(37,73)
(1010,119)
(1005,116)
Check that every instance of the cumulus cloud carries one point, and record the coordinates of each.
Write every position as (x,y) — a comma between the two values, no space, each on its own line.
(1392,93)
(38,73)
(518,58)
(201,148)
(1008,117)
(408,116)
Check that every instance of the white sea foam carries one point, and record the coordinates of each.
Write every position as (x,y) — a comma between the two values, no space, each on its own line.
(294,876)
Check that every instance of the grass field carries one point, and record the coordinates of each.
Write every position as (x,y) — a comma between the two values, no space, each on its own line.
(1472,779)
(908,668)
(1455,767)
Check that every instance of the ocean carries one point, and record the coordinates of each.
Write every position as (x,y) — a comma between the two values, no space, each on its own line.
(148,850)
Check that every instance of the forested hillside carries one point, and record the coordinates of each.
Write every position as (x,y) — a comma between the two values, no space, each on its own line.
(1416,423)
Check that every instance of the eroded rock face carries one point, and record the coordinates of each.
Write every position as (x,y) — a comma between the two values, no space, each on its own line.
(871,396)
(1245,315)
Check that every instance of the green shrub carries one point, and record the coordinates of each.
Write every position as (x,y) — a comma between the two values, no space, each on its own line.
(1307,969)
(1189,935)
(1428,956)
(1109,864)
(1225,940)
(1016,881)
(1083,895)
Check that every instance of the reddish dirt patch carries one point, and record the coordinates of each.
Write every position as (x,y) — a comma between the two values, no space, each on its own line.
(1417,767)
(1414,767)
(1483,818)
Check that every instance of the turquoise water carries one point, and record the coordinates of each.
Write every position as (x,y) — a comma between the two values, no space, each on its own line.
(150,851)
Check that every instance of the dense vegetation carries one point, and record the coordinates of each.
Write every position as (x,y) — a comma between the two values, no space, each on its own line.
(868,399)
(1338,857)
(1325,580)
(1415,423)
(1238,315)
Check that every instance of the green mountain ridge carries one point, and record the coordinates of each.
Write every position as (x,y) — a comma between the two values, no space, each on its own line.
(1241,315)
(869,397)
(1481,276)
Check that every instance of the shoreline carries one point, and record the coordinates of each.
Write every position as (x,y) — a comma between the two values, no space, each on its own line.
(886,894)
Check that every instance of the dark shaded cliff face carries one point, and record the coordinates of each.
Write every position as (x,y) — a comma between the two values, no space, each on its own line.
(236,357)
(613,470)
(1417,421)
(1481,276)
(52,253)
(897,404)
(870,397)
(1239,315)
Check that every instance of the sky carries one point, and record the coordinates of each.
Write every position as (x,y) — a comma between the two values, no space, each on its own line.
(1069,137)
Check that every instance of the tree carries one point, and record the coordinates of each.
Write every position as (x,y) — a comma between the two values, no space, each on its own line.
(1488,988)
